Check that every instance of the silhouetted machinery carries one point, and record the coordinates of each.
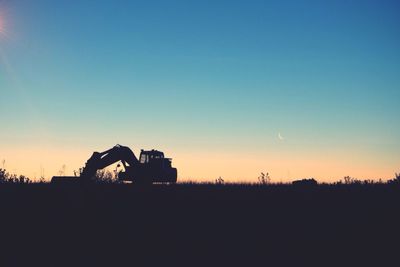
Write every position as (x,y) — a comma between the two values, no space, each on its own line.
(152,166)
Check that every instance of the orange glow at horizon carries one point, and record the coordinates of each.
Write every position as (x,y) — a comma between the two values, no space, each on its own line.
(206,165)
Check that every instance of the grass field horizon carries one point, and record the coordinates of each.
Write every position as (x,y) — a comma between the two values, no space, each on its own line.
(106,222)
(199,224)
(110,175)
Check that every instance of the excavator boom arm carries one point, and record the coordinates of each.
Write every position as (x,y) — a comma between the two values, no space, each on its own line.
(101,160)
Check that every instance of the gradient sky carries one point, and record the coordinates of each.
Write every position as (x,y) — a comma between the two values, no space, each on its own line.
(211,83)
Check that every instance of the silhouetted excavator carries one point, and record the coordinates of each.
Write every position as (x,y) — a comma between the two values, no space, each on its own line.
(152,166)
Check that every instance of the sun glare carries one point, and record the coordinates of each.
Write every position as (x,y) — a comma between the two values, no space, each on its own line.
(1,25)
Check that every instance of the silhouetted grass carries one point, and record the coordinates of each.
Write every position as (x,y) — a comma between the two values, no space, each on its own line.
(346,223)
(204,224)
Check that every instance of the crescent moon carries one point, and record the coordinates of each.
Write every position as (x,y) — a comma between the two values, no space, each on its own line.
(280,137)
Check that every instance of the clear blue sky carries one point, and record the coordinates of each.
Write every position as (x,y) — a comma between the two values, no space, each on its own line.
(199,78)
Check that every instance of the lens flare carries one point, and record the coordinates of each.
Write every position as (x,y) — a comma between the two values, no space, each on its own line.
(1,25)
(3,15)
(3,32)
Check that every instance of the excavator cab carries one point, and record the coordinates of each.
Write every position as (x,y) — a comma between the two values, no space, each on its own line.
(153,167)
(154,158)
(149,156)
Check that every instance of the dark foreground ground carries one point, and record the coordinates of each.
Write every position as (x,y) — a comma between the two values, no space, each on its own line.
(199,225)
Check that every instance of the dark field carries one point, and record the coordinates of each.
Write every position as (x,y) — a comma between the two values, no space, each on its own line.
(202,225)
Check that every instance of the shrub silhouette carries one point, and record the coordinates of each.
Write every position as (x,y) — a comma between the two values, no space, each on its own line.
(219,180)
(351,180)
(347,180)
(3,175)
(105,176)
(264,178)
(6,177)
(396,179)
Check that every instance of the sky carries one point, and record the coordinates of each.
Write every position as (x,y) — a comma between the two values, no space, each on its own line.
(226,88)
